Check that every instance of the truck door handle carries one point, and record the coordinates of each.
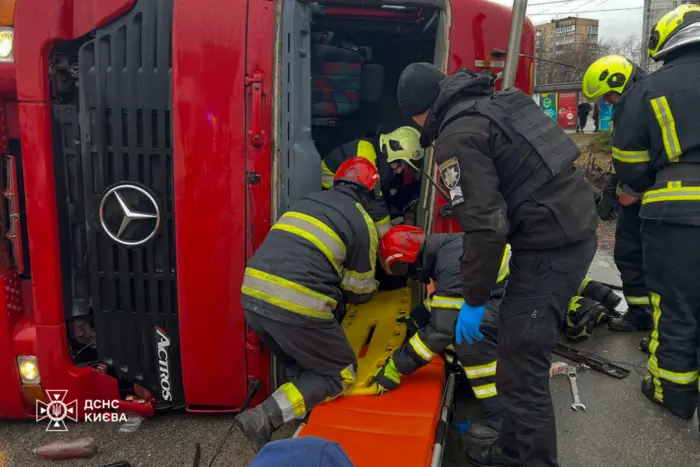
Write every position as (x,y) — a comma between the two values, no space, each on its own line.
(256,135)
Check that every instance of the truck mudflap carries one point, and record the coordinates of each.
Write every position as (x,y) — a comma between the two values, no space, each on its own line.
(407,426)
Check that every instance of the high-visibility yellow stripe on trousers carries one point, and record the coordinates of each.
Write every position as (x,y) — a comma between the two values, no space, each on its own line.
(290,402)
(420,348)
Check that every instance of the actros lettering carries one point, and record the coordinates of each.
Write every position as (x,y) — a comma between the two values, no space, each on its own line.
(164,364)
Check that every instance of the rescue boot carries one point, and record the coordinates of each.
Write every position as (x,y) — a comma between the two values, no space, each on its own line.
(491,455)
(481,433)
(256,425)
(632,321)
(648,391)
(644,344)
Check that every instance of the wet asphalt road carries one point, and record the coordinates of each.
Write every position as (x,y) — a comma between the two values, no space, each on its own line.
(619,428)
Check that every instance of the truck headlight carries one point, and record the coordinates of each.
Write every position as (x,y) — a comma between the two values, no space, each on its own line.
(28,369)
(7,50)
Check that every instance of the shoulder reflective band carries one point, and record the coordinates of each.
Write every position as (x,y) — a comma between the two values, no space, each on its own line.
(667,124)
(316,232)
(383,226)
(287,295)
(366,150)
(630,157)
(373,237)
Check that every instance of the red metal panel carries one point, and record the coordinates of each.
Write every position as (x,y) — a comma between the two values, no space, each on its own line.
(478,27)
(209,140)
(258,157)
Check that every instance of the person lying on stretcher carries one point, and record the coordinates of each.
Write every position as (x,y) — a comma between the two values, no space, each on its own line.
(405,250)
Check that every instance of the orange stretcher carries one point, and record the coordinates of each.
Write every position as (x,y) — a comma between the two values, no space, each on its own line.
(404,427)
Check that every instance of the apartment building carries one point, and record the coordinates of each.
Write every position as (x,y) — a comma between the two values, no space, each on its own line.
(566,35)
(653,11)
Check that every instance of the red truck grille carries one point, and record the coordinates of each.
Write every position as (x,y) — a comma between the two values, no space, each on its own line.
(114,168)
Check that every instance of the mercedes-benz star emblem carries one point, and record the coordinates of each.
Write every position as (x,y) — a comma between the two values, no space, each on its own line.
(129,215)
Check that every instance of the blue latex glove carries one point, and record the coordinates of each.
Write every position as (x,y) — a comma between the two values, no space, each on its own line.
(463,428)
(468,323)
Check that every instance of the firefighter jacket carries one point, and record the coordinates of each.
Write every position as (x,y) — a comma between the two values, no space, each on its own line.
(378,210)
(510,175)
(656,142)
(318,255)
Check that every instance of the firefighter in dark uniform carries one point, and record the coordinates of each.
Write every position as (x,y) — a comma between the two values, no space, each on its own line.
(609,78)
(319,255)
(402,140)
(656,151)
(405,250)
(510,175)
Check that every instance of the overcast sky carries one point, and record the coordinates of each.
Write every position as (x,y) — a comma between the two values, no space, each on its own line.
(613,24)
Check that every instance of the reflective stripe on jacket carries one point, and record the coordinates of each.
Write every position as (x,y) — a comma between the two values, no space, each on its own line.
(441,254)
(316,255)
(378,210)
(656,143)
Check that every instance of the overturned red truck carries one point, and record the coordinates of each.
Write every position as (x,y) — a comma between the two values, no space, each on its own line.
(148,146)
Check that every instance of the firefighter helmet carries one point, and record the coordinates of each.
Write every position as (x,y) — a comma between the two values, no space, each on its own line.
(612,73)
(674,30)
(358,171)
(400,244)
(401,144)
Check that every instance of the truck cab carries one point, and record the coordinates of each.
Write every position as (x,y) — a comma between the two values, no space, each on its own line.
(160,139)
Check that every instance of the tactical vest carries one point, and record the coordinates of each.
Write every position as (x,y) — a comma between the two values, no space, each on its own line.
(540,149)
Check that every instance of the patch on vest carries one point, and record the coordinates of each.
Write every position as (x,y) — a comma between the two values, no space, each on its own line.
(450,173)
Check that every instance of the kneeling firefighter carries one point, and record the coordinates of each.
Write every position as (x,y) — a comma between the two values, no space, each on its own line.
(318,255)
(403,140)
(405,250)
(511,179)
(609,78)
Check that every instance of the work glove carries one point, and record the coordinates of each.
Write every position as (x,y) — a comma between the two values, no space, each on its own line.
(446,211)
(606,206)
(387,377)
(468,324)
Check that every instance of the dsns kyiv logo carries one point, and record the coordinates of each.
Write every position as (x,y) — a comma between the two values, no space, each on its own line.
(57,410)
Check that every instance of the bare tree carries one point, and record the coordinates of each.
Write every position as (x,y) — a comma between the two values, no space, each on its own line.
(579,57)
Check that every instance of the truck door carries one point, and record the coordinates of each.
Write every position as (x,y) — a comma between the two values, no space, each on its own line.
(298,165)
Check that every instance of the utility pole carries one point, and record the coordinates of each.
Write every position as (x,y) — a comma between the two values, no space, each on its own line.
(646,32)
(510,67)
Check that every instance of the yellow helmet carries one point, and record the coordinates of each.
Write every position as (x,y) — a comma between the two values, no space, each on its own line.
(608,74)
(673,31)
(401,144)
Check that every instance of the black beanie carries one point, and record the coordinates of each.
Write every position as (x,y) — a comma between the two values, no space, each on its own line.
(419,86)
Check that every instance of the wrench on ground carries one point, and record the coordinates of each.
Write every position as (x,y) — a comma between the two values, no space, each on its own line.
(574,389)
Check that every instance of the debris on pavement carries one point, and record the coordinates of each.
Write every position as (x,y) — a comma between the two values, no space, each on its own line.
(60,450)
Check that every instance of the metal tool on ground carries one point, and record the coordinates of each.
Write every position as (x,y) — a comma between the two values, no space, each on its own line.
(574,390)
(591,360)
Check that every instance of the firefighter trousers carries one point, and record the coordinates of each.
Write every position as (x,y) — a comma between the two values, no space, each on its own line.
(318,359)
(672,265)
(540,285)
(628,259)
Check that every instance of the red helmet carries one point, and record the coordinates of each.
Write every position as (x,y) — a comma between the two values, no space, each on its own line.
(400,243)
(357,170)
